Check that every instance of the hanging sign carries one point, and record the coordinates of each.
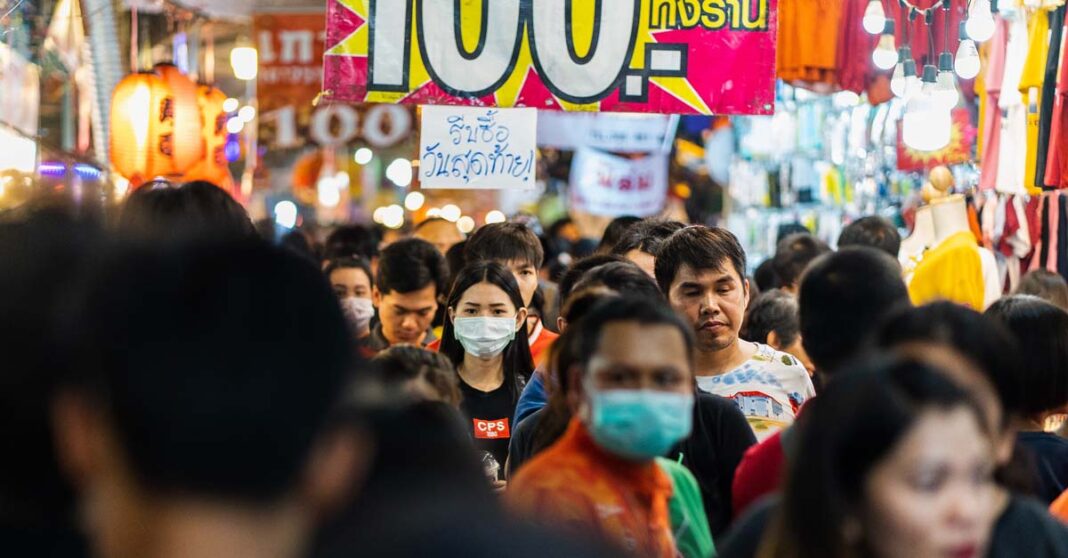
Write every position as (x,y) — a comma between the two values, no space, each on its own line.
(477,148)
(603,184)
(959,150)
(618,133)
(661,56)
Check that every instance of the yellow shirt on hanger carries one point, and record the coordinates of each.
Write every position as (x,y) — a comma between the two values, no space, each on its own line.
(950,271)
(1034,74)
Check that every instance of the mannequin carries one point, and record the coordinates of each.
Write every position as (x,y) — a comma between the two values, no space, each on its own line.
(949,215)
(922,238)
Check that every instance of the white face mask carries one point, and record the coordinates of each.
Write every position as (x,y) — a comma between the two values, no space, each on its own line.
(484,337)
(358,312)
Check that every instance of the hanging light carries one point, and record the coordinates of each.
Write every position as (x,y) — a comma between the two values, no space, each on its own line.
(927,124)
(137,148)
(980,23)
(874,17)
(414,201)
(214,166)
(885,55)
(245,62)
(967,61)
(947,82)
(905,82)
(187,139)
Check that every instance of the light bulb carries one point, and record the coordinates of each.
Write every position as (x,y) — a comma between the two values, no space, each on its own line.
(947,93)
(885,56)
(967,61)
(927,125)
(897,82)
(363,156)
(874,17)
(244,61)
(980,24)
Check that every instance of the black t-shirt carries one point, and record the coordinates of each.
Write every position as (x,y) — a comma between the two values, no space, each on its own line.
(1024,529)
(521,447)
(489,416)
(1048,454)
(719,439)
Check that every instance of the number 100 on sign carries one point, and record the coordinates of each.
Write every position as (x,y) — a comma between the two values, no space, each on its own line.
(665,56)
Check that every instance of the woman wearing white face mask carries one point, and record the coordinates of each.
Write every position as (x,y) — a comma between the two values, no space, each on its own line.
(351,281)
(486,337)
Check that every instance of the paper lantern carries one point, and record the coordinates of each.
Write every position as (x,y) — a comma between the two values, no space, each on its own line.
(187,141)
(213,166)
(142,128)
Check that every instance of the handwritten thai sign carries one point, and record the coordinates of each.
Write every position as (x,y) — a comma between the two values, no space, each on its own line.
(477,148)
(660,56)
(604,184)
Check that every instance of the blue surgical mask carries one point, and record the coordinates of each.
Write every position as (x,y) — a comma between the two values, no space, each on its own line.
(484,337)
(639,424)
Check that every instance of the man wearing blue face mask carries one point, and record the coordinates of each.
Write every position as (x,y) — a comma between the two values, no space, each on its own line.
(632,401)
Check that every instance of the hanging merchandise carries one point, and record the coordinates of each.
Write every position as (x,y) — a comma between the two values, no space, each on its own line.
(1012,152)
(1045,124)
(807,58)
(1056,172)
(990,123)
(1032,81)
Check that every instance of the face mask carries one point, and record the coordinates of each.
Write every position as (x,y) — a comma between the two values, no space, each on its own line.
(358,312)
(639,424)
(484,337)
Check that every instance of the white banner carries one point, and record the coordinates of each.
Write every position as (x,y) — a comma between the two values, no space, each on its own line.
(477,148)
(618,133)
(603,184)
(20,91)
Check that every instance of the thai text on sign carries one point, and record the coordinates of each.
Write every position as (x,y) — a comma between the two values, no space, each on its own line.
(477,148)
(660,56)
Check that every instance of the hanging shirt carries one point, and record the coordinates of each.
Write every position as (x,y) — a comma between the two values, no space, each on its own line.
(1055,175)
(1012,152)
(769,389)
(1049,94)
(1031,81)
(989,99)
(950,271)
(489,415)
(577,486)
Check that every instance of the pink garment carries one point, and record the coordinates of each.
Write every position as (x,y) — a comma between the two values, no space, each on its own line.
(1054,220)
(1054,161)
(991,129)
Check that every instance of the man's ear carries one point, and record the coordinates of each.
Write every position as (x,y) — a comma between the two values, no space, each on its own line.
(336,467)
(773,340)
(576,391)
(748,290)
(521,319)
(77,430)
(561,324)
(376,296)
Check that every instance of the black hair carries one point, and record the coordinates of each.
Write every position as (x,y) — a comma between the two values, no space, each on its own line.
(615,231)
(700,248)
(872,231)
(789,229)
(558,225)
(575,272)
(45,257)
(194,210)
(765,277)
(647,236)
(518,362)
(626,309)
(505,242)
(1041,332)
(348,263)
(624,278)
(455,259)
(297,242)
(984,342)
(843,299)
(217,364)
(432,221)
(402,363)
(776,311)
(351,241)
(794,254)
(1046,285)
(845,433)
(410,265)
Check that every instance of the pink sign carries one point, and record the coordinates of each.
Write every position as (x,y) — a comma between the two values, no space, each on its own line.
(657,56)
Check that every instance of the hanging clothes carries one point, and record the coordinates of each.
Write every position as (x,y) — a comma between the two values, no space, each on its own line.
(991,124)
(1056,24)
(1056,172)
(854,73)
(805,57)
(1012,152)
(950,271)
(1031,82)
(1053,234)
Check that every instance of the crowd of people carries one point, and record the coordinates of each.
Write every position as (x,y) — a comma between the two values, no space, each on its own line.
(177,384)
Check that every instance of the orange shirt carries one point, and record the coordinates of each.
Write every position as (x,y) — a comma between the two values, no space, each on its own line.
(1059,507)
(577,486)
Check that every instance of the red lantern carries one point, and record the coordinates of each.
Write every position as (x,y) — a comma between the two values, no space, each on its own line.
(187,140)
(142,128)
(213,166)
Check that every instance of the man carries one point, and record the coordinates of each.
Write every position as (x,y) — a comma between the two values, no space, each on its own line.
(844,299)
(411,280)
(793,254)
(701,270)
(441,233)
(196,422)
(642,241)
(632,400)
(874,232)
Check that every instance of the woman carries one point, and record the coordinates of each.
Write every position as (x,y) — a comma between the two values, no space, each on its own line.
(892,462)
(1041,331)
(486,338)
(351,280)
